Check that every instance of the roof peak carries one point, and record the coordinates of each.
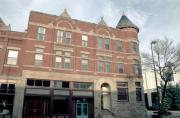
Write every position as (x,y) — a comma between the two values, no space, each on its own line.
(102,22)
(65,14)
(124,22)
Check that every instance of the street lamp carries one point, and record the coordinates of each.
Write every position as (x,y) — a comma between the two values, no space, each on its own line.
(155,75)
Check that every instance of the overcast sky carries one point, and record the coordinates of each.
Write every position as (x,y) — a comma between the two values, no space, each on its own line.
(155,18)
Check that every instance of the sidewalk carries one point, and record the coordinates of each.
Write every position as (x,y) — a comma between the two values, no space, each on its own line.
(175,114)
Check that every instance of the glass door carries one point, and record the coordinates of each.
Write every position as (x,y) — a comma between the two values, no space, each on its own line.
(81,110)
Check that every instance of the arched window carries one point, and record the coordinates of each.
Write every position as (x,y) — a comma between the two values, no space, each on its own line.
(137,67)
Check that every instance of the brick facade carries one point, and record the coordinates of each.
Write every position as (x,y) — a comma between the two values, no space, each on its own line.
(27,43)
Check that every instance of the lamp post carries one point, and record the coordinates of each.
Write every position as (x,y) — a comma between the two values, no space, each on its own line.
(155,75)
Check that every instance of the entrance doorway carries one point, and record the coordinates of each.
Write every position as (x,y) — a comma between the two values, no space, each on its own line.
(81,110)
(105,96)
(35,109)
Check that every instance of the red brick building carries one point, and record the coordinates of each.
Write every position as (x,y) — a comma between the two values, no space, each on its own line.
(66,67)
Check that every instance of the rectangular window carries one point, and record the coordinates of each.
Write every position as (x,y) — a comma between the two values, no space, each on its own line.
(134,47)
(61,84)
(84,64)
(120,67)
(59,36)
(68,38)
(12,57)
(39,57)
(84,40)
(41,33)
(137,69)
(100,66)
(38,83)
(38,60)
(107,44)
(138,91)
(67,53)
(100,43)
(119,46)
(122,88)
(107,66)
(67,62)
(86,86)
(58,61)
(58,52)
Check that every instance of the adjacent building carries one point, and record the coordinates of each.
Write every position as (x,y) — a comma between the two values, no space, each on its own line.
(63,67)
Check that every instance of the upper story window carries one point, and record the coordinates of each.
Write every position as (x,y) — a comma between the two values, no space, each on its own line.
(39,57)
(103,43)
(38,83)
(60,36)
(119,46)
(12,57)
(58,61)
(136,67)
(100,43)
(134,47)
(83,85)
(41,33)
(63,59)
(120,65)
(61,84)
(68,38)
(84,62)
(107,43)
(123,94)
(84,40)
(138,91)
(104,64)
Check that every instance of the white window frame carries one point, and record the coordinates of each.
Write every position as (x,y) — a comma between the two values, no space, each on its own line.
(60,36)
(12,57)
(41,33)
(84,40)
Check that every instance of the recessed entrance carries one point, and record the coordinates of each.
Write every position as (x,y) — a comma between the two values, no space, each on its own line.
(81,109)
(35,109)
(105,96)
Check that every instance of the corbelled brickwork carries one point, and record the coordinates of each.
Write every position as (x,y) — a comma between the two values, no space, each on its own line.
(100,105)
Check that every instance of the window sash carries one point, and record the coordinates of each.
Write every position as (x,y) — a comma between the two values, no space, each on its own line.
(41,30)
(84,40)
(84,64)
(137,69)
(107,44)
(120,67)
(119,46)
(100,66)
(12,57)
(123,94)
(100,43)
(68,38)
(134,47)
(107,66)
(41,33)
(67,62)
(59,36)
(13,53)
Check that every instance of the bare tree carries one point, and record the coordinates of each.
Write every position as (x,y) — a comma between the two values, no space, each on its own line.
(166,61)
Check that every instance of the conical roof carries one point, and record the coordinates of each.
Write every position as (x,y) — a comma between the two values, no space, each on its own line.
(126,23)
